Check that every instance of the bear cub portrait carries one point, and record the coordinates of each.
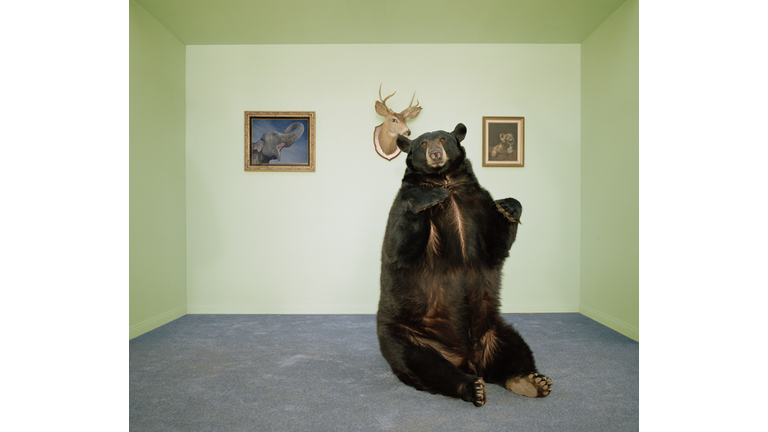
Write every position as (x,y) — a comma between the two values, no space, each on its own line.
(446,240)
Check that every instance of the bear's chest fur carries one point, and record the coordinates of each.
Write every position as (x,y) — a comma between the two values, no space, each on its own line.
(453,282)
(456,224)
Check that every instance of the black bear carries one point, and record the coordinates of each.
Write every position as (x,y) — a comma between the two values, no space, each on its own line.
(438,321)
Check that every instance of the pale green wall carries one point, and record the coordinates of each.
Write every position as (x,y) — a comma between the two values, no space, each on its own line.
(157,201)
(610,172)
(310,242)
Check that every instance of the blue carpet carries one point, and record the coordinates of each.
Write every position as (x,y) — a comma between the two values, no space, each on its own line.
(325,373)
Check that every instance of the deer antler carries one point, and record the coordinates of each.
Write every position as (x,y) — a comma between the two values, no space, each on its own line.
(411,112)
(384,101)
(410,104)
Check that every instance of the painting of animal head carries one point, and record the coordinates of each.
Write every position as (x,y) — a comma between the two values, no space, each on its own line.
(503,141)
(273,140)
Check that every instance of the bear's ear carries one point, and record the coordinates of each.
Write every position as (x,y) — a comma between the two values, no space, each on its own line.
(460,131)
(404,143)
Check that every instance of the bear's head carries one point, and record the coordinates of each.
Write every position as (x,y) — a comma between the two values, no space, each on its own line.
(436,152)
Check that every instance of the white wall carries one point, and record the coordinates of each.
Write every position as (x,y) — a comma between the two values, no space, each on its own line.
(261,242)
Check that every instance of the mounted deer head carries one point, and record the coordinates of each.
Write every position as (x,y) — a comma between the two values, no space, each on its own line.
(385,134)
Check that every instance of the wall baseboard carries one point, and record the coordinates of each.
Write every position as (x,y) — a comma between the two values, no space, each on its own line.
(533,308)
(284,308)
(347,309)
(620,326)
(155,322)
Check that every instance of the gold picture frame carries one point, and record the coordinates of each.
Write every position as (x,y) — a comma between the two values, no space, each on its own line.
(280,141)
(503,141)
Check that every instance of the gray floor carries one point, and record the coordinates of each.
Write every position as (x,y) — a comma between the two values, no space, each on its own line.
(325,373)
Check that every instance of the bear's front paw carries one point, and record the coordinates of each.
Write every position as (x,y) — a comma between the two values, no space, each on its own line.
(510,208)
(533,385)
(475,392)
(420,199)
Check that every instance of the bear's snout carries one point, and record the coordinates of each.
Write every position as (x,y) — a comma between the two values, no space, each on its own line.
(436,156)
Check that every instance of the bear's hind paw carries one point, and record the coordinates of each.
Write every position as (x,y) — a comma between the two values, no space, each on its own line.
(533,385)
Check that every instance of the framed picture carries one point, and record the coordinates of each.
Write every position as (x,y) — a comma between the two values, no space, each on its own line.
(279,141)
(503,141)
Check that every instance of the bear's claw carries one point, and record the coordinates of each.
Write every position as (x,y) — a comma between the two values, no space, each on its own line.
(477,396)
(511,209)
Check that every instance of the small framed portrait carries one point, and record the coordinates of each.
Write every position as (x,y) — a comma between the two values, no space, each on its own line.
(503,141)
(280,141)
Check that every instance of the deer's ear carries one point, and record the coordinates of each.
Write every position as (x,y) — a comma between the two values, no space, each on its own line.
(411,113)
(460,131)
(382,109)
(404,143)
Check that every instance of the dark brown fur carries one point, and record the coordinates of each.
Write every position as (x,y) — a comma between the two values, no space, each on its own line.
(446,240)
